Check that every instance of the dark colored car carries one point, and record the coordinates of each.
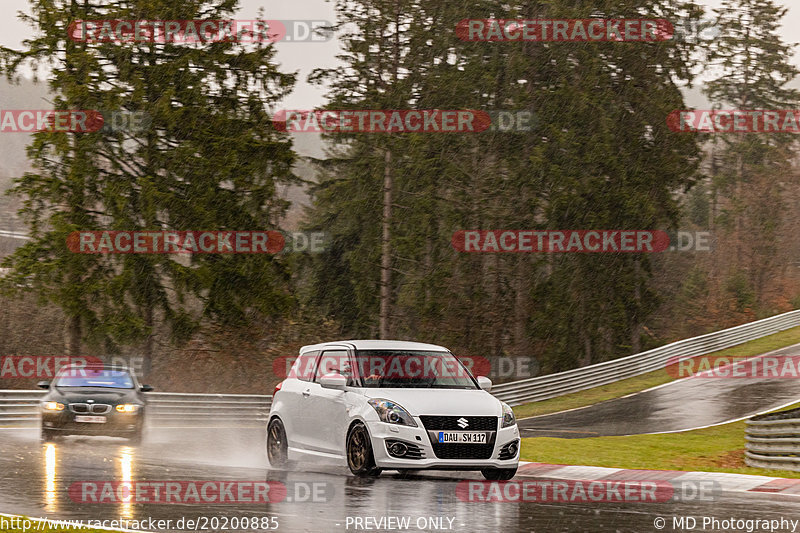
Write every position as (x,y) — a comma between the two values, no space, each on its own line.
(94,400)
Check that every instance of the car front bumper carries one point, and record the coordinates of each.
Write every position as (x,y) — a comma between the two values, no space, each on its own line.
(125,424)
(419,436)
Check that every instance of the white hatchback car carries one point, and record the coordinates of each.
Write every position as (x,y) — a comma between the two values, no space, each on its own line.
(393,405)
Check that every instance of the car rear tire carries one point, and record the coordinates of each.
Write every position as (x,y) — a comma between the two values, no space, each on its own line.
(277,446)
(499,474)
(360,458)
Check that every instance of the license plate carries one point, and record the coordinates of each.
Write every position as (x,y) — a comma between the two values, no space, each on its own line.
(90,419)
(463,437)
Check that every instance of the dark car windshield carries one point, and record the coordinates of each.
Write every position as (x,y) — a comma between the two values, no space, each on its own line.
(411,369)
(89,377)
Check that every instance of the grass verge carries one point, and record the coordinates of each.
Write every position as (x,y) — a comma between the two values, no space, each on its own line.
(651,379)
(714,449)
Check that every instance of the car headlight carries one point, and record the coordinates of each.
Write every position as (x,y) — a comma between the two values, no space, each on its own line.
(391,412)
(52,406)
(508,416)
(128,408)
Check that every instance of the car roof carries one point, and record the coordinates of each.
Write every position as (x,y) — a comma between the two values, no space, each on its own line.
(373,344)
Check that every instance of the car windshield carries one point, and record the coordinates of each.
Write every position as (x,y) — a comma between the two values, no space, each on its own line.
(411,369)
(89,377)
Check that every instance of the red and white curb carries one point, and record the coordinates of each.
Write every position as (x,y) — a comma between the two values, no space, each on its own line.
(741,483)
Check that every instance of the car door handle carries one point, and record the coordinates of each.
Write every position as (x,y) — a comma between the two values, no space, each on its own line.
(307,393)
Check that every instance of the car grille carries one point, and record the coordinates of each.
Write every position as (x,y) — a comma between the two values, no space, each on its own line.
(93,408)
(451,423)
(435,424)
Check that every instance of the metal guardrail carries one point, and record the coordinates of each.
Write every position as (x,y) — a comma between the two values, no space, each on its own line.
(553,385)
(14,235)
(20,408)
(773,441)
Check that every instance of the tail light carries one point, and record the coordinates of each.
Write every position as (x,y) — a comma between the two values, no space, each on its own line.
(277,388)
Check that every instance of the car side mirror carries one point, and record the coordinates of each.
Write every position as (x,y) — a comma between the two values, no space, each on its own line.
(43,384)
(145,388)
(333,381)
(485,383)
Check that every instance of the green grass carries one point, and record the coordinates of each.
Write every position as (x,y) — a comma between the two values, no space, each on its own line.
(651,379)
(715,449)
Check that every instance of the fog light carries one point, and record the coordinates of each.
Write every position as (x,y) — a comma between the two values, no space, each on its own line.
(398,449)
(512,448)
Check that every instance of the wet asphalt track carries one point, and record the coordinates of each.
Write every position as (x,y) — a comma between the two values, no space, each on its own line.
(683,404)
(34,478)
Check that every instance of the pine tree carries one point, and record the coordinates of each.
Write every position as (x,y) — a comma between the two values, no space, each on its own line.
(752,68)
(601,156)
(209,159)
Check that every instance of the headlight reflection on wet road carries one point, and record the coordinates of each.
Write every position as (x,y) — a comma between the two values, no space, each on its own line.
(50,496)
(126,475)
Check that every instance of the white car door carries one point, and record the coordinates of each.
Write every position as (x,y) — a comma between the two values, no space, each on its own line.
(328,405)
(298,419)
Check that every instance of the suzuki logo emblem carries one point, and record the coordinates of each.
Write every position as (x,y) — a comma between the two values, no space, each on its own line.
(462,422)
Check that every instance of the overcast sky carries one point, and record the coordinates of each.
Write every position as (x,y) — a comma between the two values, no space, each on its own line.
(309,55)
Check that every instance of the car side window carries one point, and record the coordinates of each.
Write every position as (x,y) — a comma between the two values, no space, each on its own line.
(333,361)
(303,368)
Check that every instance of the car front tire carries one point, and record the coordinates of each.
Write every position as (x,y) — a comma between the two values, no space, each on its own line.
(499,474)
(48,435)
(360,458)
(136,438)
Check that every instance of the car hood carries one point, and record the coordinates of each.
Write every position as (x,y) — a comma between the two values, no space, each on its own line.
(99,395)
(446,402)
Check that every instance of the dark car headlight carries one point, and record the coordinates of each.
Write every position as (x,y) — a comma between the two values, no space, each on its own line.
(508,416)
(52,406)
(128,408)
(391,412)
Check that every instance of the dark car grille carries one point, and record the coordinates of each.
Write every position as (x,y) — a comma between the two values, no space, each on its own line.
(461,451)
(94,408)
(450,423)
